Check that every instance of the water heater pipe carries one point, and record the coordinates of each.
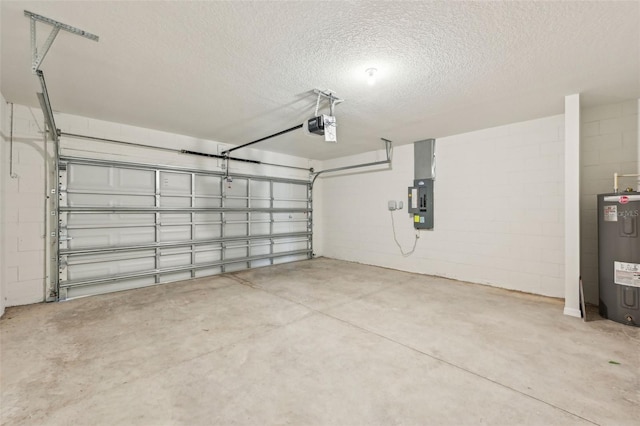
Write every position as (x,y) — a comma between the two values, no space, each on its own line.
(615,180)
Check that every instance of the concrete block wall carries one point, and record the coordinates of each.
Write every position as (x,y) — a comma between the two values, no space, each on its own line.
(499,218)
(498,209)
(23,201)
(25,197)
(609,144)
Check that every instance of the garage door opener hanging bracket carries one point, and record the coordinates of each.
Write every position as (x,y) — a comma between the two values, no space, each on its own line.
(36,59)
(327,94)
(388,147)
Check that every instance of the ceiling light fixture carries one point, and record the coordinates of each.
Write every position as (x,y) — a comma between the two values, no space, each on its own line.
(371,76)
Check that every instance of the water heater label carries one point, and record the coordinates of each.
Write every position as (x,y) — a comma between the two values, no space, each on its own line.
(611,213)
(626,274)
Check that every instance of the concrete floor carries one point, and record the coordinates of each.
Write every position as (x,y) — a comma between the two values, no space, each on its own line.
(317,342)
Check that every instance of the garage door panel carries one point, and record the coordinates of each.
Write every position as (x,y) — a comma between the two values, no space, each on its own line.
(82,239)
(208,271)
(260,194)
(238,187)
(175,233)
(208,185)
(260,228)
(235,252)
(175,183)
(89,177)
(258,249)
(173,260)
(260,203)
(235,230)
(81,259)
(281,217)
(236,217)
(260,187)
(112,219)
(174,218)
(166,251)
(110,237)
(125,284)
(289,190)
(176,276)
(108,268)
(110,200)
(85,177)
(166,201)
(287,259)
(234,267)
(287,227)
(260,263)
(208,202)
(133,247)
(208,232)
(129,180)
(289,204)
(236,203)
(299,227)
(289,246)
(208,217)
(214,254)
(264,216)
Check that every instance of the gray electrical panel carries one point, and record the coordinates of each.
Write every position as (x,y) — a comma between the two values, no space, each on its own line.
(619,257)
(420,195)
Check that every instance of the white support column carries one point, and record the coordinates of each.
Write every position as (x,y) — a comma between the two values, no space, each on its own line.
(4,176)
(572,205)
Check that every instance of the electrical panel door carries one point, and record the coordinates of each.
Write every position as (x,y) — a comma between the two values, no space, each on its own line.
(420,201)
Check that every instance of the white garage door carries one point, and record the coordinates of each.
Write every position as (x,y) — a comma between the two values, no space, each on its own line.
(130,225)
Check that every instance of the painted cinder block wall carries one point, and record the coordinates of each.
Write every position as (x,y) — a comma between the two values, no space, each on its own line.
(609,144)
(24,198)
(24,208)
(498,209)
(498,198)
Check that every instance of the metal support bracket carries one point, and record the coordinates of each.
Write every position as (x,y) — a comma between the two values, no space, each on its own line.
(333,99)
(388,149)
(328,94)
(37,58)
(45,105)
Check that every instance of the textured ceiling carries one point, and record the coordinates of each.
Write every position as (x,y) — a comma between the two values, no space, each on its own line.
(237,71)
